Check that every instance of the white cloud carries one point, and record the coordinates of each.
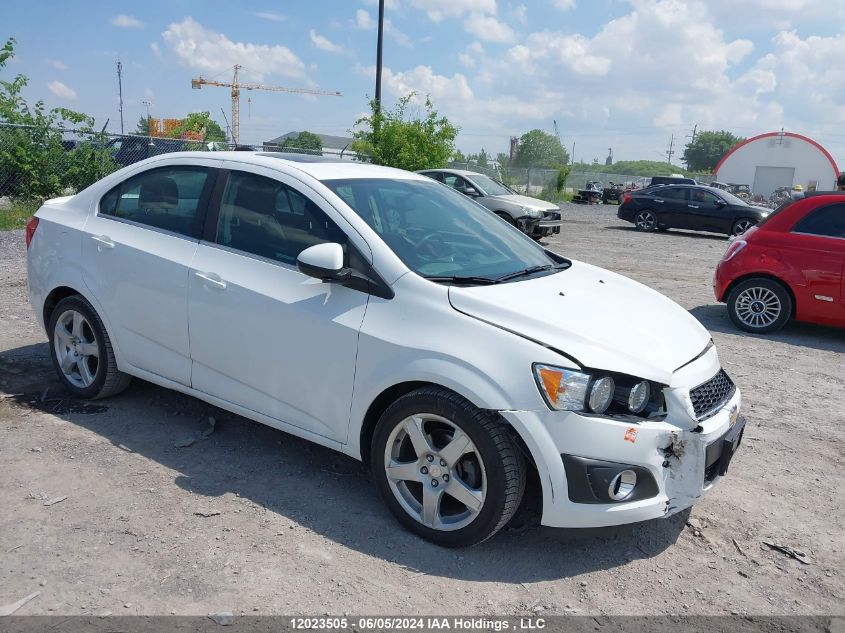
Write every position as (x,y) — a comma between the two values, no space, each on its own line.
(564,5)
(58,64)
(208,51)
(488,28)
(126,22)
(272,16)
(325,44)
(518,14)
(437,10)
(365,22)
(61,90)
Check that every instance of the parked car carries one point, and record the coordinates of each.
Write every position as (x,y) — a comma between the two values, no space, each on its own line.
(533,217)
(671,180)
(788,267)
(378,313)
(692,207)
(126,150)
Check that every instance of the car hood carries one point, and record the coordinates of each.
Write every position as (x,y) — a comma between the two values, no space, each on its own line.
(601,319)
(525,201)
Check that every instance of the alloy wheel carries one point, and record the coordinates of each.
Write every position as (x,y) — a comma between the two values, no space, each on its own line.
(742,226)
(646,221)
(758,307)
(435,472)
(76,348)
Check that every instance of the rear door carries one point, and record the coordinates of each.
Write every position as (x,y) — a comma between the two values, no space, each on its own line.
(671,206)
(817,249)
(138,247)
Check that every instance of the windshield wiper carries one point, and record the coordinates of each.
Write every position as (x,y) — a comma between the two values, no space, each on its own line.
(470,281)
(532,270)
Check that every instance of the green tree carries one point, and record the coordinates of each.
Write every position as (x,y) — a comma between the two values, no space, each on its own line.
(34,164)
(540,149)
(199,123)
(143,127)
(396,139)
(459,157)
(482,159)
(704,152)
(305,140)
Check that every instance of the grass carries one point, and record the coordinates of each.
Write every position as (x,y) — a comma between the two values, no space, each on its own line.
(17,215)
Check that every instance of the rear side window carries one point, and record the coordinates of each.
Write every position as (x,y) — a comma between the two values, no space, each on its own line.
(672,193)
(827,221)
(169,198)
(265,217)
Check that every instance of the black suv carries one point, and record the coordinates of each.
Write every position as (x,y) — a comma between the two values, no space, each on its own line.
(671,180)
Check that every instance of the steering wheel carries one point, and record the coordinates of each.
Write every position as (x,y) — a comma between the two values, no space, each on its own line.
(435,245)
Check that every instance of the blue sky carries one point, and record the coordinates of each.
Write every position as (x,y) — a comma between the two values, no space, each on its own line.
(624,74)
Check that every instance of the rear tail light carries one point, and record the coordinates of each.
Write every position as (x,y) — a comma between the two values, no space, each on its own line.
(626,197)
(733,248)
(30,229)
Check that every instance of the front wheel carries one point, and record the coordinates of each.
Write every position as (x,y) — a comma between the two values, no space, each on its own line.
(759,305)
(82,353)
(447,470)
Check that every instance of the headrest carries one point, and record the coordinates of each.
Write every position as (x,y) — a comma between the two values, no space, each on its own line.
(161,193)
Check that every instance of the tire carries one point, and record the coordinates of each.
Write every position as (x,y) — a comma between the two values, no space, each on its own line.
(645,220)
(489,475)
(81,351)
(742,225)
(759,305)
(507,218)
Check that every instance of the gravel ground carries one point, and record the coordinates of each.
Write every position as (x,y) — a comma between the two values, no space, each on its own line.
(295,528)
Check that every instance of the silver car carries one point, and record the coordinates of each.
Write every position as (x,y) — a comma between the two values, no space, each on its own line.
(534,217)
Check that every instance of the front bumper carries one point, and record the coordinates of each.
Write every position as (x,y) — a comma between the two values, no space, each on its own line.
(679,457)
(549,224)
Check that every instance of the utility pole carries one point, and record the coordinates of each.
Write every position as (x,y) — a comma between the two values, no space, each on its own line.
(572,160)
(379,45)
(120,92)
(147,103)
(692,139)
(671,148)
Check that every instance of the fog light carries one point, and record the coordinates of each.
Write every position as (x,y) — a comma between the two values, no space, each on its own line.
(622,485)
(601,395)
(638,397)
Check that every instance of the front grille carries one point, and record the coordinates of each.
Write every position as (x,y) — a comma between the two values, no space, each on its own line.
(710,396)
(551,215)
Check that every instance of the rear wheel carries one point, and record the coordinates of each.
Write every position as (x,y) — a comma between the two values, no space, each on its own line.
(742,225)
(448,471)
(82,353)
(646,221)
(759,305)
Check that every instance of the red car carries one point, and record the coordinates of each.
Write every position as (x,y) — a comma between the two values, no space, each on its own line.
(791,265)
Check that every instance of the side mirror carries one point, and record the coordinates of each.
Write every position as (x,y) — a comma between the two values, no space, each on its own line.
(472,192)
(324,262)
(721,203)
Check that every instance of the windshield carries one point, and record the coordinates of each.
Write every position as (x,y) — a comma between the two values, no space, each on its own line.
(490,186)
(438,232)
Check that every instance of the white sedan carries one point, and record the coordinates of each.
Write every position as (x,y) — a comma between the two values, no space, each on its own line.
(383,315)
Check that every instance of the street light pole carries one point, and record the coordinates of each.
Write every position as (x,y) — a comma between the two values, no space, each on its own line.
(378,52)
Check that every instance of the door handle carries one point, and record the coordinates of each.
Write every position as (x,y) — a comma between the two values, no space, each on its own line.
(660,201)
(214,281)
(692,206)
(103,241)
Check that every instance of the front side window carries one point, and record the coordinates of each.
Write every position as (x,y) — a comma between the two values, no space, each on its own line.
(265,217)
(438,233)
(169,198)
(700,196)
(455,182)
(827,221)
(490,186)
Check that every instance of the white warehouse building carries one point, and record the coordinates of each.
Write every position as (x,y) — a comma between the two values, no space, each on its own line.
(778,159)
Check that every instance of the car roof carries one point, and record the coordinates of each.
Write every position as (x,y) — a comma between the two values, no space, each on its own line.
(457,172)
(319,167)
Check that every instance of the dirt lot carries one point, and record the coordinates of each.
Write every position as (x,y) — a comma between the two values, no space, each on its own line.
(296,528)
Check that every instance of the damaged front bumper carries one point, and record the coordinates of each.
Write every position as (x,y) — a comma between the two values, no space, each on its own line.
(675,461)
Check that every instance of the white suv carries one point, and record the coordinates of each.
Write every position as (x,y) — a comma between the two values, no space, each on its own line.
(378,313)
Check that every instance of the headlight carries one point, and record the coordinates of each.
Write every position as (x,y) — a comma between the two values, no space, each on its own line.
(638,397)
(534,213)
(601,394)
(571,390)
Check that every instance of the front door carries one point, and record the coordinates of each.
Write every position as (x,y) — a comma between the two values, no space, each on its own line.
(263,335)
(137,250)
(708,212)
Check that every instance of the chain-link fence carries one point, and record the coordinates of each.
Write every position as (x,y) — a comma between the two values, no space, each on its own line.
(38,162)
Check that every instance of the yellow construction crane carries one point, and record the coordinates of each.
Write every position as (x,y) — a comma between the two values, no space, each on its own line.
(236,87)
